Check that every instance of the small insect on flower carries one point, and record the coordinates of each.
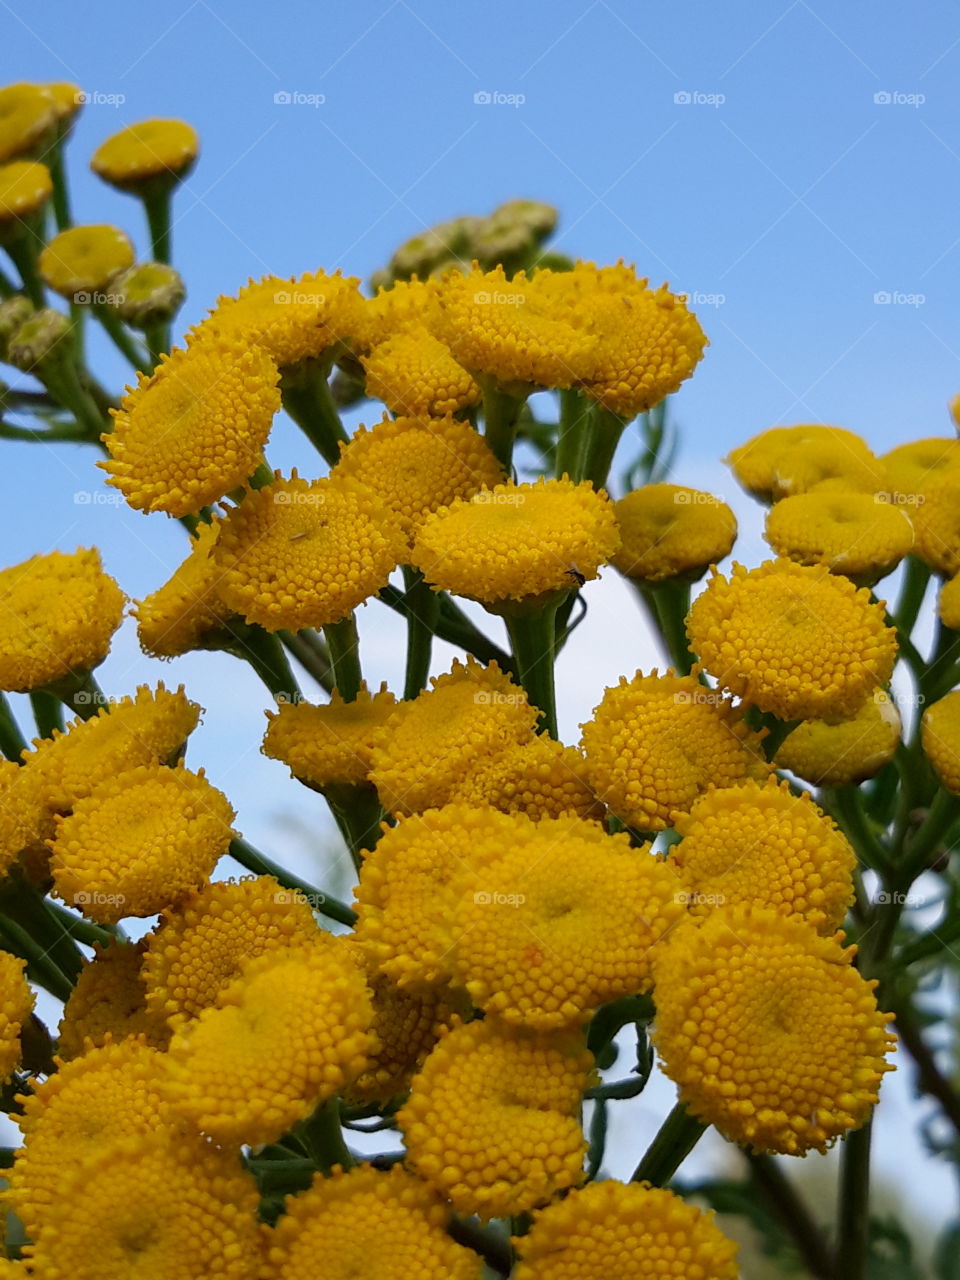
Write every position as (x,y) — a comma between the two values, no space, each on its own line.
(574,573)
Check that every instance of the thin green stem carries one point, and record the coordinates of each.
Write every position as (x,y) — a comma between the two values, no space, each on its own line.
(80,693)
(322,1135)
(261,865)
(41,967)
(930,1078)
(312,654)
(344,645)
(422,615)
(533,638)
(677,1137)
(494,1249)
(127,346)
(667,605)
(454,626)
(23,255)
(157,205)
(58,175)
(12,741)
(358,814)
(853,1209)
(916,576)
(846,805)
(21,902)
(943,813)
(306,397)
(82,930)
(266,656)
(501,413)
(47,712)
(777,731)
(157,337)
(600,439)
(793,1214)
(574,411)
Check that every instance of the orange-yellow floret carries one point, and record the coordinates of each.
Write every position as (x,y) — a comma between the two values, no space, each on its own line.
(140,841)
(177,616)
(795,640)
(612,1229)
(151,149)
(769,1031)
(413,373)
(109,1002)
(330,744)
(538,779)
(668,531)
(16,1006)
(655,743)
(937,524)
(847,751)
(492,1122)
(861,535)
(940,738)
(58,613)
(195,428)
(787,460)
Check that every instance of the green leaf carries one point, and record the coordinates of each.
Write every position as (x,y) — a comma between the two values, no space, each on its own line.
(890,1254)
(946,1260)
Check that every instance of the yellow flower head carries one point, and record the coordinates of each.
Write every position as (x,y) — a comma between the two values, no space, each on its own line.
(405,304)
(647,342)
(67,100)
(298,553)
(611,1229)
(668,531)
(787,460)
(657,742)
(415,465)
(84,259)
(291,320)
(918,466)
(794,639)
(538,779)
(201,946)
(510,330)
(425,746)
(140,841)
(289,1033)
(937,524)
(175,618)
(109,1002)
(565,921)
(111,1092)
(761,845)
(413,373)
(769,1031)
(149,728)
(58,613)
(194,428)
(860,535)
(329,744)
(940,737)
(23,817)
(153,1205)
(948,603)
(25,187)
(848,751)
(518,540)
(145,152)
(16,1006)
(492,1121)
(28,117)
(367,1223)
(411,882)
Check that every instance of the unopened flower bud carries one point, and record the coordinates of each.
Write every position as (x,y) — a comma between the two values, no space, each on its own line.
(35,342)
(14,312)
(148,293)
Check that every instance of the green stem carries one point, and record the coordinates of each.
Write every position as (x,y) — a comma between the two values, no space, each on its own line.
(574,410)
(667,605)
(358,815)
(12,741)
(600,440)
(307,399)
(930,1078)
(501,412)
(846,805)
(454,626)
(322,1135)
(678,1135)
(157,337)
(265,654)
(64,382)
(793,1214)
(157,205)
(344,645)
(80,693)
(82,930)
(23,255)
(21,902)
(58,175)
(853,1210)
(261,865)
(41,968)
(47,712)
(777,731)
(131,350)
(312,654)
(423,612)
(916,576)
(493,1249)
(533,637)
(943,813)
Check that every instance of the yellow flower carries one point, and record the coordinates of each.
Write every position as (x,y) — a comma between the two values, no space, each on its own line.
(414,373)
(764,846)
(289,1033)
(194,428)
(856,534)
(329,744)
(299,554)
(849,751)
(415,465)
(940,737)
(566,920)
(795,640)
(518,540)
(786,460)
(109,1002)
(672,532)
(140,841)
(175,618)
(28,118)
(58,613)
(200,947)
(367,1223)
(85,259)
(919,465)
(16,1006)
(948,603)
(769,1031)
(67,100)
(153,1205)
(111,1092)
(152,149)
(426,746)
(23,818)
(492,1122)
(510,330)
(657,742)
(538,779)
(937,524)
(406,304)
(611,1229)
(25,187)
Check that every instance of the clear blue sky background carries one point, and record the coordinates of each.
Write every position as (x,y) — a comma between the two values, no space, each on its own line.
(785,189)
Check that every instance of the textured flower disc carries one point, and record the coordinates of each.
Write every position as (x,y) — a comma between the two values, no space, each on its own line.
(769,1031)
(175,618)
(292,1031)
(940,736)
(518,540)
(669,531)
(855,534)
(764,846)
(194,428)
(414,374)
(567,919)
(201,946)
(331,743)
(937,524)
(918,466)
(16,1006)
(367,1223)
(414,465)
(948,603)
(538,779)
(407,303)
(794,640)
(25,187)
(847,751)
(85,259)
(140,841)
(28,115)
(109,1001)
(299,554)
(609,1229)
(787,460)
(492,1122)
(657,742)
(24,821)
(150,149)
(427,745)
(58,614)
